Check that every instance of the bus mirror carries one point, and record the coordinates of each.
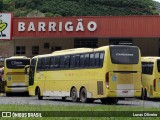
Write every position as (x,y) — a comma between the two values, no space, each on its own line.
(27,69)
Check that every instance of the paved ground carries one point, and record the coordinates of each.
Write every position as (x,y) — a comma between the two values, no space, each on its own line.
(57,101)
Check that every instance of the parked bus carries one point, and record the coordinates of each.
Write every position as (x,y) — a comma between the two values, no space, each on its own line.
(151,77)
(14,75)
(107,73)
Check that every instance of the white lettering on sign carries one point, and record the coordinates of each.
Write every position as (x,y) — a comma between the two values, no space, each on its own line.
(16,63)
(21,26)
(60,26)
(124,54)
(52,26)
(57,26)
(41,26)
(80,25)
(31,27)
(69,26)
(92,26)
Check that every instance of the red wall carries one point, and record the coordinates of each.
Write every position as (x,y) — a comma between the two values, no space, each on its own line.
(107,26)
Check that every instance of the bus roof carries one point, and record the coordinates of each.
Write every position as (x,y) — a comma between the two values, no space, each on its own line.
(77,50)
(71,51)
(45,55)
(149,58)
(18,57)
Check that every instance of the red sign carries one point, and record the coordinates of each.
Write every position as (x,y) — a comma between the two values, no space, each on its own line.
(106,26)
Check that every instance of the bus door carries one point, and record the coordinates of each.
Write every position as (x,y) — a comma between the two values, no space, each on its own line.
(32,72)
(40,73)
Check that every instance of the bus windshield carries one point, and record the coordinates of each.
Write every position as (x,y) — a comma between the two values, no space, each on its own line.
(17,63)
(124,55)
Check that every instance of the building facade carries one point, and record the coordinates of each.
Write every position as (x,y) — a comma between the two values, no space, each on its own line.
(34,36)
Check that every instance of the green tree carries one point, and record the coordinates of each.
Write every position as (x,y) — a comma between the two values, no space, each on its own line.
(1,6)
(84,7)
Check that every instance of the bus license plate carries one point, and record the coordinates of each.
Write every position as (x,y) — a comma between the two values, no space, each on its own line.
(125,91)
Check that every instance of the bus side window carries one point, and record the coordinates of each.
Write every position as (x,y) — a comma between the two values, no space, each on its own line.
(72,61)
(62,60)
(66,62)
(77,59)
(81,60)
(43,63)
(52,63)
(47,64)
(91,60)
(39,65)
(57,64)
(86,61)
(96,60)
(101,59)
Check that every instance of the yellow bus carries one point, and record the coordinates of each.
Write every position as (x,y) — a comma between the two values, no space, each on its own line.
(151,77)
(107,73)
(14,75)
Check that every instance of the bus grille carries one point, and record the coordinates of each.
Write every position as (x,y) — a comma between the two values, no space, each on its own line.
(100,87)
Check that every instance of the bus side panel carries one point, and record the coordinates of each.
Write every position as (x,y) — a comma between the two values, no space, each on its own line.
(57,84)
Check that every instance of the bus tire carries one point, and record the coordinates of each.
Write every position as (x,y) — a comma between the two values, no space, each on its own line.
(63,98)
(83,95)
(39,94)
(74,95)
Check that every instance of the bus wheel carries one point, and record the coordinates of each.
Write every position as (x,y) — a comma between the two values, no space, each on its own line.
(39,94)
(83,95)
(74,94)
(63,98)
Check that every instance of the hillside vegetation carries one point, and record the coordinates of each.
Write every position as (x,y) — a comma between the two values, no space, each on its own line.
(78,7)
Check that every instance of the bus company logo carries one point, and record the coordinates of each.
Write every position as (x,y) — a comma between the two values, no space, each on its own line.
(5,26)
(124,54)
(16,63)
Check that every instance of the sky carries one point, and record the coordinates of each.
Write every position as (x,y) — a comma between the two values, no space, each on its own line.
(157,0)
